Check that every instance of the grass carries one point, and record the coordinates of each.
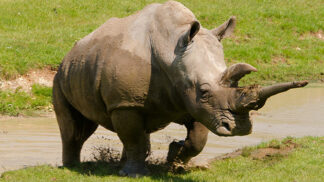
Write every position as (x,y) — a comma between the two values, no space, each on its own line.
(20,102)
(303,163)
(277,37)
(274,36)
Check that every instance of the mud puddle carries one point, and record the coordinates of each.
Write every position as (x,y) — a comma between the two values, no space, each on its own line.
(35,141)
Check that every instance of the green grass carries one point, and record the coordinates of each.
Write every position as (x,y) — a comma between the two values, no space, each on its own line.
(20,102)
(273,36)
(304,163)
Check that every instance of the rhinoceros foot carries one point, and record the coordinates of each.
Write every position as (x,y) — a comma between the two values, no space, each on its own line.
(174,153)
(133,169)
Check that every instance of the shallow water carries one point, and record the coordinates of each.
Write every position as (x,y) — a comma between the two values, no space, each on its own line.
(34,141)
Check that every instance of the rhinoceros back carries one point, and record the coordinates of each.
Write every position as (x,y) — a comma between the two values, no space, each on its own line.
(107,69)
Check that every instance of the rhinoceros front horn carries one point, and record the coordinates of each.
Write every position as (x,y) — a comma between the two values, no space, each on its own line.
(234,73)
(269,91)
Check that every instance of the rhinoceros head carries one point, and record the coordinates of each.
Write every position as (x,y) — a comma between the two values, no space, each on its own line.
(209,90)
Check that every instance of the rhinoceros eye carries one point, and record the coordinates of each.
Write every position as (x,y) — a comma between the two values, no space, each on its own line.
(204,91)
(204,95)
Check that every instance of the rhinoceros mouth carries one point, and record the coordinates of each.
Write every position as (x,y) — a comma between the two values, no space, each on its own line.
(223,131)
(232,124)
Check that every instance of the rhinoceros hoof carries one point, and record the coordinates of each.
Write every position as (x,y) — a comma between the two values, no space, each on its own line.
(175,148)
(178,168)
(133,170)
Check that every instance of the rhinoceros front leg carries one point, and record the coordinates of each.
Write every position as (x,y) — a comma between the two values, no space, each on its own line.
(182,151)
(148,143)
(130,129)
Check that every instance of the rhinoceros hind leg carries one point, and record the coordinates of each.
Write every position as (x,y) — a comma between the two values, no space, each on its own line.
(74,127)
(130,129)
(183,151)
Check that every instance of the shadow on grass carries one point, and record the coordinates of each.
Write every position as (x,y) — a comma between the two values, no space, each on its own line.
(107,162)
(159,171)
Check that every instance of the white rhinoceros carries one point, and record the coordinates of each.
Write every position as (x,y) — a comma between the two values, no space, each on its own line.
(135,75)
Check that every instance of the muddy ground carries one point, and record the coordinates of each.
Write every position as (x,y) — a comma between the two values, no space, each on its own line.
(34,141)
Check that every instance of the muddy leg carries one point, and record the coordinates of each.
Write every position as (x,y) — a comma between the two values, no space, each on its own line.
(148,152)
(183,151)
(75,129)
(129,126)
(123,157)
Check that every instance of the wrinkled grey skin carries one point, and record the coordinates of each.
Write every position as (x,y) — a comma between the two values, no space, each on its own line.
(137,74)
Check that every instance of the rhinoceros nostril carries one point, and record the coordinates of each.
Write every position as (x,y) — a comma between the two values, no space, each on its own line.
(227,126)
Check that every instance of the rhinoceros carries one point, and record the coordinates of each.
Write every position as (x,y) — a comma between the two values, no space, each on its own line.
(136,75)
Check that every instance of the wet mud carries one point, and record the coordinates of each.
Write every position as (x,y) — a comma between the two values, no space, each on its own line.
(34,141)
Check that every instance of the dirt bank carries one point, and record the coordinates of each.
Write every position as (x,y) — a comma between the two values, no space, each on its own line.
(24,82)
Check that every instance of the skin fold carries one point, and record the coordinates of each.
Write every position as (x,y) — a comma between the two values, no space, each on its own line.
(135,75)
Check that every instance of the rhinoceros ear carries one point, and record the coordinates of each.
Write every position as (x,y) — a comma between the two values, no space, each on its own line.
(234,73)
(226,29)
(190,34)
(194,29)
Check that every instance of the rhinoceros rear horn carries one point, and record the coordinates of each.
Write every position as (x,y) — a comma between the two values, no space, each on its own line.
(234,73)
